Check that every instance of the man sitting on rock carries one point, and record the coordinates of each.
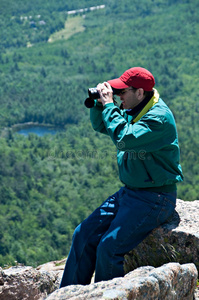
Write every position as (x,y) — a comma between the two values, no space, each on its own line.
(143,130)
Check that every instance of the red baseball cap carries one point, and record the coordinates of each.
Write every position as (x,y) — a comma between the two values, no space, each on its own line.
(136,77)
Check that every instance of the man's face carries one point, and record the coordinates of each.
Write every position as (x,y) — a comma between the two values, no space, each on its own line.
(129,98)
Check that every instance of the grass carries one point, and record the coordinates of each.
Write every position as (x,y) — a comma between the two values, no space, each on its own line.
(73,25)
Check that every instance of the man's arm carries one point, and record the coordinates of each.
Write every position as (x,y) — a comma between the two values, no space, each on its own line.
(96,118)
(149,134)
(106,96)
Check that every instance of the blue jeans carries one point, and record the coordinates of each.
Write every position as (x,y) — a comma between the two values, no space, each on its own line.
(112,230)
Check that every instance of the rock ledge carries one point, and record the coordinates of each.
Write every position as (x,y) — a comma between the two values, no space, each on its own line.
(171,281)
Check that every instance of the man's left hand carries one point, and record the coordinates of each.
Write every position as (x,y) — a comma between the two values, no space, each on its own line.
(106,93)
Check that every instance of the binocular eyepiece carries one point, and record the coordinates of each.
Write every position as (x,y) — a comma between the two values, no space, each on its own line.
(94,94)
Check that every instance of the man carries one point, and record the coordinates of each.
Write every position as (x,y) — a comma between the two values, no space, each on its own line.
(144,133)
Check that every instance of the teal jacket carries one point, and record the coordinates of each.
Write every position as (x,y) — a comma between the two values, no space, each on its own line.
(147,151)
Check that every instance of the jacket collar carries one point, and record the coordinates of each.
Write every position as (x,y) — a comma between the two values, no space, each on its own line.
(140,106)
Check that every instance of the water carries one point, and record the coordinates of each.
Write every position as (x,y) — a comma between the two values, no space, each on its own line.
(38,130)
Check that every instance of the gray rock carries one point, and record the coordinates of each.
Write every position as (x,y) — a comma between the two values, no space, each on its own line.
(175,241)
(169,282)
(26,283)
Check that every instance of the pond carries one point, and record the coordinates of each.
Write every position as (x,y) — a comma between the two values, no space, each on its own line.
(39,130)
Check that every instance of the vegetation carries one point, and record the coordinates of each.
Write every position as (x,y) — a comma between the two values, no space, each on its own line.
(49,184)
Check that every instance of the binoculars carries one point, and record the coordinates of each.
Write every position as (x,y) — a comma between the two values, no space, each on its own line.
(93,94)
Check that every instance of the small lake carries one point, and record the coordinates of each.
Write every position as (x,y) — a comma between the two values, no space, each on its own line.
(38,130)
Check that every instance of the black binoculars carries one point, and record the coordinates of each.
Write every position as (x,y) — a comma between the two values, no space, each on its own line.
(94,94)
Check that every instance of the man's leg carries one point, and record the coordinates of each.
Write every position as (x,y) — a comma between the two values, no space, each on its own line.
(139,213)
(81,261)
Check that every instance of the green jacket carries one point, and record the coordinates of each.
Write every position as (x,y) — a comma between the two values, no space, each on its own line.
(147,151)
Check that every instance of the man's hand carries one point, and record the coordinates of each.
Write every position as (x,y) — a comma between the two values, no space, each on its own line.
(106,93)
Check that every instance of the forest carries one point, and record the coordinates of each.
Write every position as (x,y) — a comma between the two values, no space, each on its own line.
(49,184)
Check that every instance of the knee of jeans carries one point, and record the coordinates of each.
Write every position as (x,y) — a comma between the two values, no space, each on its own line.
(77,232)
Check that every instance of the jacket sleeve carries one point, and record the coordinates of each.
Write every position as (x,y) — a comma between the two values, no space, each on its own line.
(96,118)
(150,133)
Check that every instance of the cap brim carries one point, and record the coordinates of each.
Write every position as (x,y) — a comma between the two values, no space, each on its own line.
(118,84)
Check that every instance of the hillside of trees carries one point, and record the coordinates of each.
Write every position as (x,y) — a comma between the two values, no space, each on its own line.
(49,184)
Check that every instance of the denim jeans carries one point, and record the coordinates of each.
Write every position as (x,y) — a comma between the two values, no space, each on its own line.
(112,230)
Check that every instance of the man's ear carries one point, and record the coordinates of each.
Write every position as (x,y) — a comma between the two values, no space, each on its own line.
(140,94)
